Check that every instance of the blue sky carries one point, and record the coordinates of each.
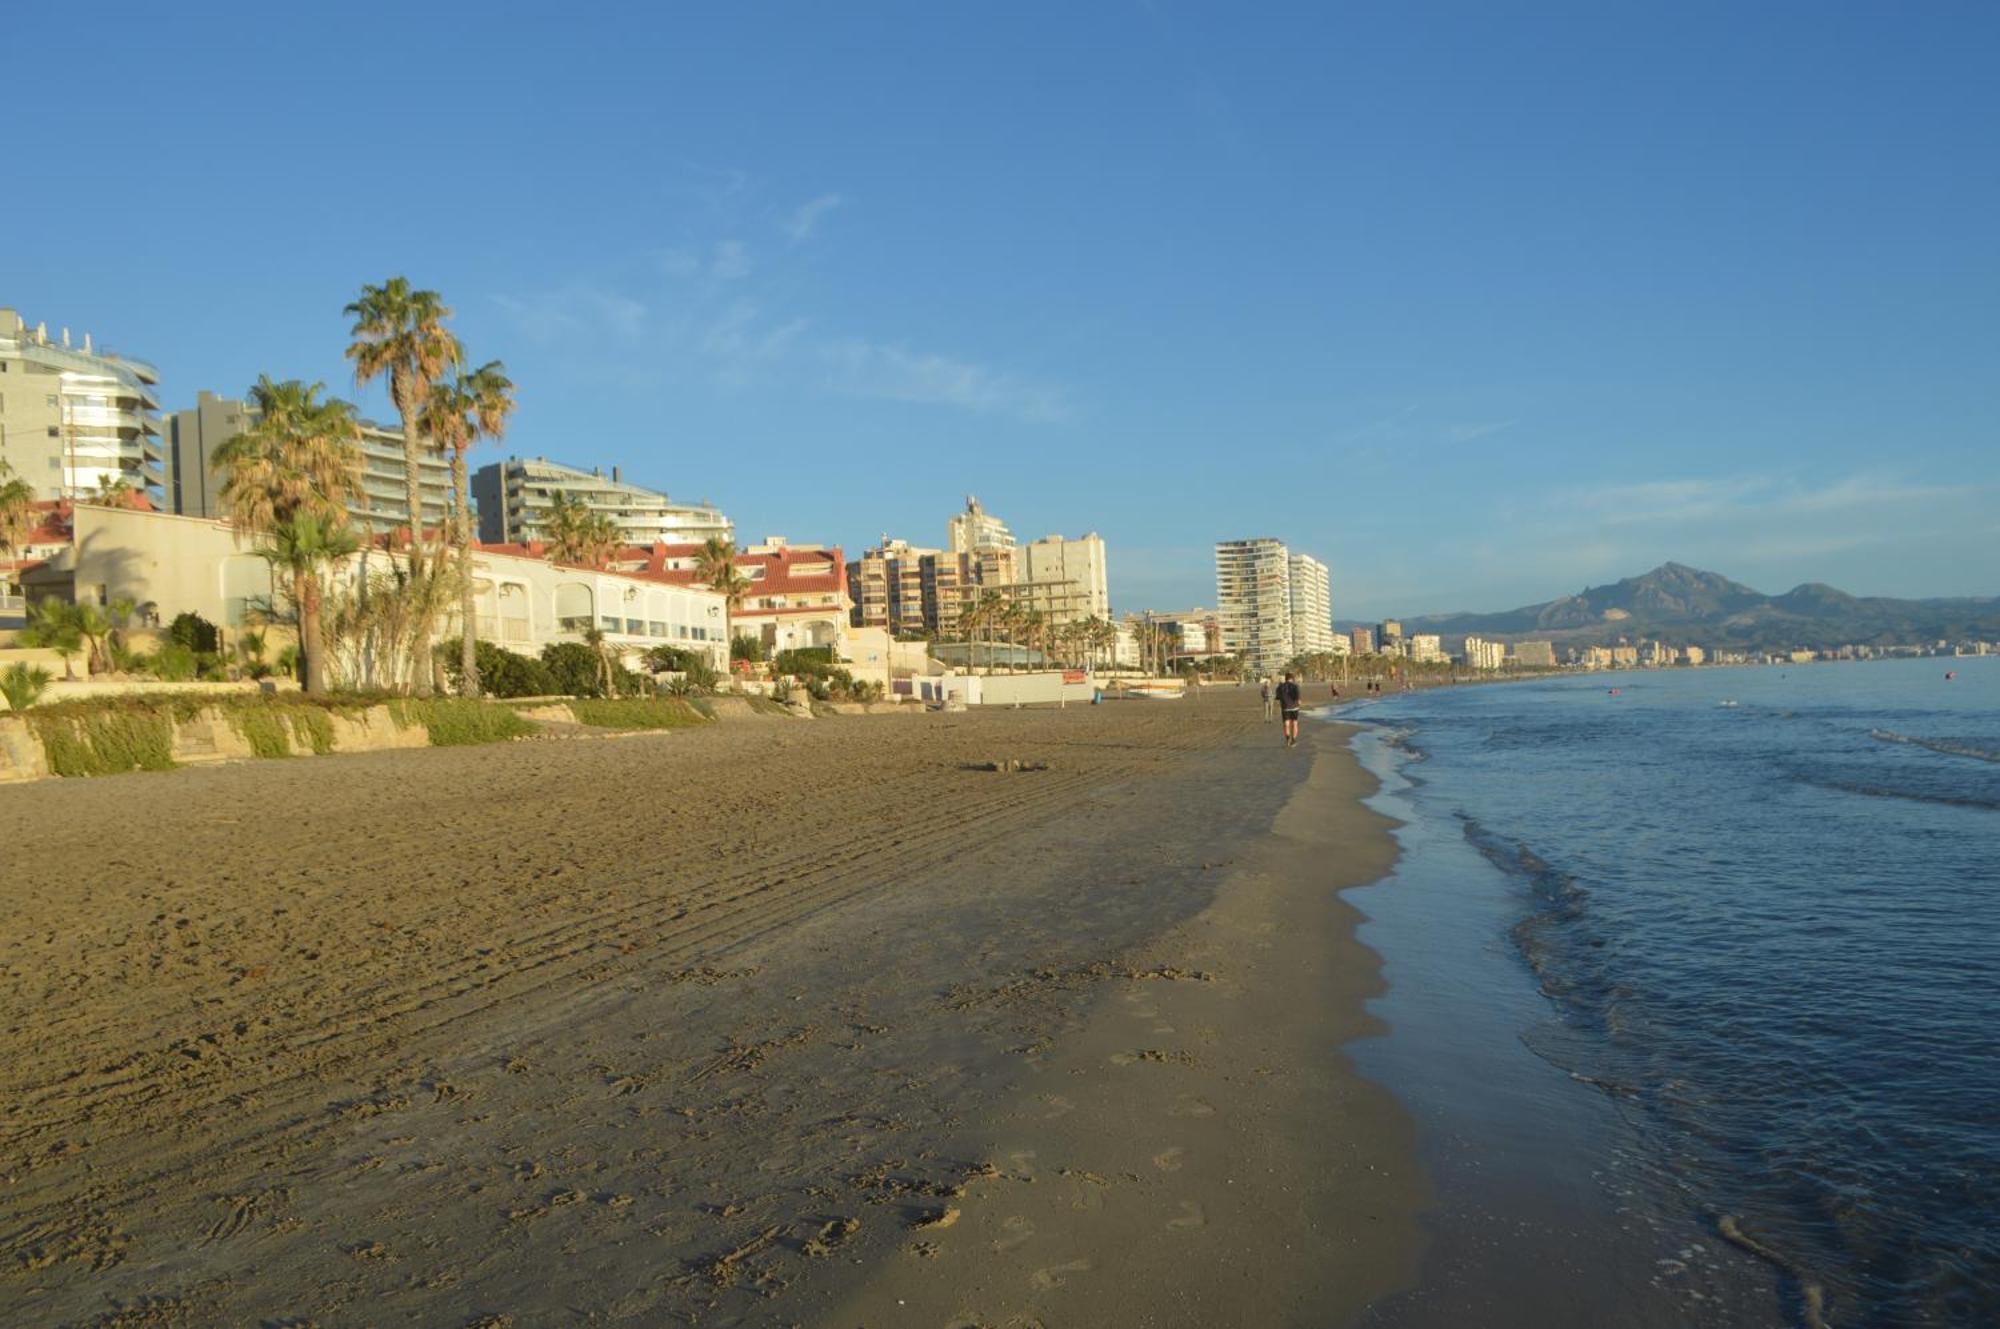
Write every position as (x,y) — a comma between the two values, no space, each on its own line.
(1480,303)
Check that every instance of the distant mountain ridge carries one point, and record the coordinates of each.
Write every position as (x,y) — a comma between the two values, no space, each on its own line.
(1683,605)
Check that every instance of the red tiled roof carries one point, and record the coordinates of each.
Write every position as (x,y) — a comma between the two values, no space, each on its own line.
(786,571)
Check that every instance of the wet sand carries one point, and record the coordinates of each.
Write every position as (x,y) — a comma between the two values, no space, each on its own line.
(765,1023)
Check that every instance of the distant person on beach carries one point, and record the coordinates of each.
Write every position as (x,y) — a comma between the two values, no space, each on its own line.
(1265,685)
(1288,702)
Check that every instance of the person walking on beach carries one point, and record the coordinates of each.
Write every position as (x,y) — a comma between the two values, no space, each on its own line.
(1288,703)
(1266,686)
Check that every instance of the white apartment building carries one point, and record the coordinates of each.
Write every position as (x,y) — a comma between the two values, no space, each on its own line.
(1425,648)
(73,418)
(1312,606)
(514,498)
(1483,654)
(167,563)
(976,528)
(1253,592)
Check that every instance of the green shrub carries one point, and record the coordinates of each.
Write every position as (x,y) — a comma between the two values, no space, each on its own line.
(697,674)
(502,673)
(195,633)
(637,713)
(460,721)
(106,742)
(805,661)
(23,685)
(574,669)
(747,648)
(174,662)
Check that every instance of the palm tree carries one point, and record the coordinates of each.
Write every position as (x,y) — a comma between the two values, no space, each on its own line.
(112,491)
(400,332)
(575,534)
(17,512)
(473,406)
(96,625)
(288,481)
(593,637)
(299,547)
(715,567)
(53,626)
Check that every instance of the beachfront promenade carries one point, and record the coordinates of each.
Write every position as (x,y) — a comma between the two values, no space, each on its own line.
(760,1022)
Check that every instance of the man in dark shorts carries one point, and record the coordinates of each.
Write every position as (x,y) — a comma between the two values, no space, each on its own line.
(1288,706)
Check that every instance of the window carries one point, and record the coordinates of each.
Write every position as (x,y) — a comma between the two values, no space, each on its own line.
(54,432)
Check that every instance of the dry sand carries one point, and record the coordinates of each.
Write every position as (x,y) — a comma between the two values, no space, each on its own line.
(765,1023)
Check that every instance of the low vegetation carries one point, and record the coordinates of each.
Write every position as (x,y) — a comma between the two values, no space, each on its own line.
(460,721)
(637,713)
(104,741)
(108,735)
(23,685)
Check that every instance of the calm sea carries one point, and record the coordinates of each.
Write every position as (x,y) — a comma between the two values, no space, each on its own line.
(1695,993)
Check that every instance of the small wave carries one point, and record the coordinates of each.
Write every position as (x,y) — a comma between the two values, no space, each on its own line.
(1911,795)
(1943,745)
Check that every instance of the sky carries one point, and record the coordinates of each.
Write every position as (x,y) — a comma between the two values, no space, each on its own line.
(1479,303)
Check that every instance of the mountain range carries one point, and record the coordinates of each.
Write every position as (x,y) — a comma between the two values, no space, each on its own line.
(1684,605)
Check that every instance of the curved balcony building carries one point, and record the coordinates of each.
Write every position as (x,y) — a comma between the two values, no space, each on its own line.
(73,419)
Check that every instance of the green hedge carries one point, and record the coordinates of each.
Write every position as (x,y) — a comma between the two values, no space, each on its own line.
(458,721)
(106,742)
(637,713)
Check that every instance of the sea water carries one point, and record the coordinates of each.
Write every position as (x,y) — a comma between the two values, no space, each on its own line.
(1694,990)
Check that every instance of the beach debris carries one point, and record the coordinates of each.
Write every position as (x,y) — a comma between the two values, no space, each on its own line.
(936,1220)
(1006,765)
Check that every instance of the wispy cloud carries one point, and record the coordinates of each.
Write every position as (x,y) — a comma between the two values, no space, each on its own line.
(727,260)
(801,224)
(896,373)
(1743,498)
(572,310)
(1467,433)
(710,308)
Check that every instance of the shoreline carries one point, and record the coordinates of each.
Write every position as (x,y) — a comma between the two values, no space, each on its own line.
(733,1054)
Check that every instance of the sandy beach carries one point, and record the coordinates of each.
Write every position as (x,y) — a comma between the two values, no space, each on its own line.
(765,1023)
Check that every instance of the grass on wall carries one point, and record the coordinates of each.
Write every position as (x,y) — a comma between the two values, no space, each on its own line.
(456,721)
(636,713)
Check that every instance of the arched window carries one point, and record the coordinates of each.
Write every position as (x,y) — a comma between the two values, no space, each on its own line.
(512,618)
(575,606)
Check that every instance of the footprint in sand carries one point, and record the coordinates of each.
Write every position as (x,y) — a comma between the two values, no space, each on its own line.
(1018,1230)
(1044,1280)
(1087,1192)
(1191,1105)
(1169,1160)
(1024,1164)
(1163,1029)
(1191,1217)
(1058,1106)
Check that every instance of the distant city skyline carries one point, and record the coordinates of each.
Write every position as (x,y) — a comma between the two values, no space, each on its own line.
(1480,308)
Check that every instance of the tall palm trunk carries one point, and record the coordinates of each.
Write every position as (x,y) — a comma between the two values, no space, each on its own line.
(413,482)
(312,642)
(468,657)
